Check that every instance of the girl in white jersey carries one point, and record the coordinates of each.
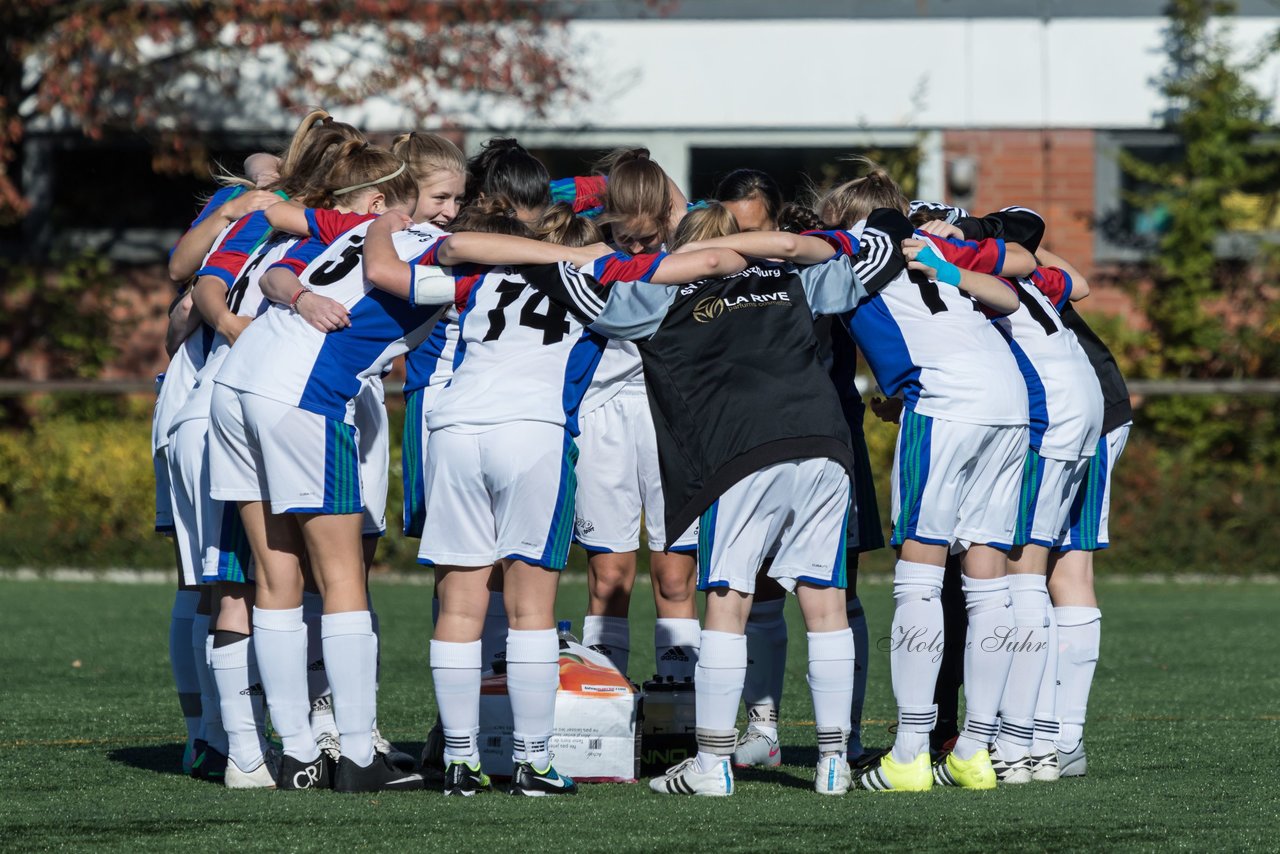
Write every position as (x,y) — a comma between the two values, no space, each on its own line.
(285,400)
(500,466)
(957,467)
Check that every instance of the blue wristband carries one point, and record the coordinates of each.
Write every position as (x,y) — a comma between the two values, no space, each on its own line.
(948,273)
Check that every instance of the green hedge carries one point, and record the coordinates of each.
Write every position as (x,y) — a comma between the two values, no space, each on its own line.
(77,492)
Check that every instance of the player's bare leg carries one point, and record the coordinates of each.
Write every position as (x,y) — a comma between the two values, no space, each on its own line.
(611,578)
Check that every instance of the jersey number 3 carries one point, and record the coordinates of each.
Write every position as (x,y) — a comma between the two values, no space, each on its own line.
(554,322)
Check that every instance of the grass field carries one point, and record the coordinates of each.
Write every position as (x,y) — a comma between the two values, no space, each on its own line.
(1183,746)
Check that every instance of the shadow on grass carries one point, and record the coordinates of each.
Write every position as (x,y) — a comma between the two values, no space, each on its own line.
(157,758)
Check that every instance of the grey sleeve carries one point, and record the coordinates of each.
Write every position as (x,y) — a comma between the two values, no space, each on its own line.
(634,310)
(838,285)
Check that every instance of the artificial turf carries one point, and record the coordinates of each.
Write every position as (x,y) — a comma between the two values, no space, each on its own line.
(1182,739)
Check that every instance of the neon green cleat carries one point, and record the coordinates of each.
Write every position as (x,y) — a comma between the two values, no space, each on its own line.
(886,775)
(975,772)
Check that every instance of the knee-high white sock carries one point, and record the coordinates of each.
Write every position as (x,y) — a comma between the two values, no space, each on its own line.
(766,665)
(987,656)
(915,654)
(861,653)
(280,643)
(455,670)
(493,635)
(1047,725)
(1030,597)
(182,659)
(533,675)
(238,694)
(611,636)
(322,722)
(675,647)
(210,712)
(722,670)
(351,659)
(1079,637)
(831,656)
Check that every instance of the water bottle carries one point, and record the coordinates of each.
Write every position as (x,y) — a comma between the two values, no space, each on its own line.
(564,630)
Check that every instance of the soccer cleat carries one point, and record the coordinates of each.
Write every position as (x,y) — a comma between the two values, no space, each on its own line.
(210,764)
(888,775)
(1044,768)
(463,778)
(261,777)
(756,749)
(1072,763)
(832,776)
(686,779)
(329,747)
(432,764)
(1015,771)
(295,775)
(530,782)
(189,754)
(866,758)
(378,776)
(973,773)
(398,757)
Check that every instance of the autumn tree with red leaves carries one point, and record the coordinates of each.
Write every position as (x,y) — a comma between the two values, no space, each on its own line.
(169,69)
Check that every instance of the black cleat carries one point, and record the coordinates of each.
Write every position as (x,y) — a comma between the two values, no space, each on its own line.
(530,782)
(432,767)
(296,775)
(463,779)
(378,776)
(210,764)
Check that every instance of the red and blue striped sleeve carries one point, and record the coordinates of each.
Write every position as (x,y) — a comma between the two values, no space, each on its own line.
(980,256)
(229,257)
(621,267)
(843,242)
(1055,283)
(328,225)
(301,254)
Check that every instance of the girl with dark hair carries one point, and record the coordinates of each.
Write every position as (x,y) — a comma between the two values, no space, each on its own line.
(753,197)
(505,168)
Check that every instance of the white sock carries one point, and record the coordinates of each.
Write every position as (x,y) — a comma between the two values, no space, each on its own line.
(987,656)
(1047,726)
(351,659)
(455,670)
(1030,597)
(239,695)
(210,711)
(831,684)
(322,722)
(533,675)
(915,654)
(675,647)
(182,660)
(1079,637)
(611,636)
(766,665)
(493,634)
(861,654)
(280,642)
(721,672)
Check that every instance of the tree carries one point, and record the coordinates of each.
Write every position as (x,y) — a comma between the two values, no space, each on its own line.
(170,68)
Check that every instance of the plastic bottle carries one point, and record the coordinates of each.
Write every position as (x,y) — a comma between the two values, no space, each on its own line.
(564,629)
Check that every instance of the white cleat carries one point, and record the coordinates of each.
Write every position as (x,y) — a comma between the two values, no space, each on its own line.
(1072,763)
(263,776)
(686,779)
(833,775)
(757,750)
(1044,768)
(1011,771)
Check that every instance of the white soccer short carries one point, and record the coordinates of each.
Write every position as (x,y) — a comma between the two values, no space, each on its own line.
(188,480)
(618,477)
(209,528)
(797,511)
(374,432)
(955,482)
(298,461)
(1048,491)
(1087,525)
(507,492)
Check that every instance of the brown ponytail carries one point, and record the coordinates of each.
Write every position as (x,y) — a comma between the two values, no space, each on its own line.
(561,226)
(852,201)
(491,215)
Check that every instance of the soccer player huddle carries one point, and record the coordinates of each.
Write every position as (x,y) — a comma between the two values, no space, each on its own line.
(581,355)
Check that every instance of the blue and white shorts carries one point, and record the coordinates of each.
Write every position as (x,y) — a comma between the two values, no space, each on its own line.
(1087,524)
(507,492)
(797,511)
(1049,489)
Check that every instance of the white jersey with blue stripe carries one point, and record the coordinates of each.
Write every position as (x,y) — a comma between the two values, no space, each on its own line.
(521,357)
(930,344)
(244,299)
(431,362)
(1062,387)
(282,357)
